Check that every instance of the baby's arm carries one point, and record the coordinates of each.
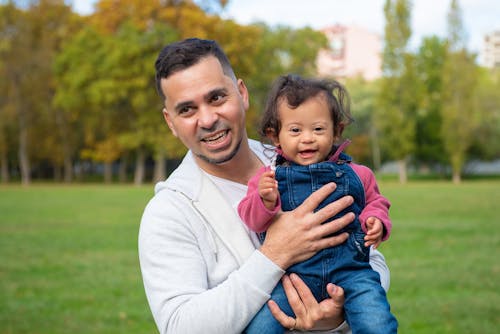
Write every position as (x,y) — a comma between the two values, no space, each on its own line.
(377,206)
(268,189)
(374,232)
(252,210)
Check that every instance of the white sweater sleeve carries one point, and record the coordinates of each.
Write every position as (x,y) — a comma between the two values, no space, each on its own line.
(187,283)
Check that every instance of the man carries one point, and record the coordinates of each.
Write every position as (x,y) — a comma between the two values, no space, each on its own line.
(203,271)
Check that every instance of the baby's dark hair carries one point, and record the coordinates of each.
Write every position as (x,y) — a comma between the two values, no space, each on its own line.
(295,90)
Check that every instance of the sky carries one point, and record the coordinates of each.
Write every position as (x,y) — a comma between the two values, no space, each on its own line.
(428,16)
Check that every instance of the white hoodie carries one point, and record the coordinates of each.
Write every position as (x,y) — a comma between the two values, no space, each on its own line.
(201,271)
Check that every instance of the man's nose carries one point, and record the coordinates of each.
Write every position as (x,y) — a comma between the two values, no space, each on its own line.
(207,117)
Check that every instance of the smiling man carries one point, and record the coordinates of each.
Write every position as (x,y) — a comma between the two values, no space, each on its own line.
(203,271)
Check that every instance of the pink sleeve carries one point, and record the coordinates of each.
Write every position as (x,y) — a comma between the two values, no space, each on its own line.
(376,204)
(251,208)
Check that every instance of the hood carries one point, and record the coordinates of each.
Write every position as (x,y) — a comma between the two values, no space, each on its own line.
(187,177)
(184,178)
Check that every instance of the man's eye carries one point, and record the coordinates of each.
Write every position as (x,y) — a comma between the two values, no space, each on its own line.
(185,111)
(217,98)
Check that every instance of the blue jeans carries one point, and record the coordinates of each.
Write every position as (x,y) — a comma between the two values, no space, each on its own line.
(347,265)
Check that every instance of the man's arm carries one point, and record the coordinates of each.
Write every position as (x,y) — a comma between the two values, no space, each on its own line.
(192,282)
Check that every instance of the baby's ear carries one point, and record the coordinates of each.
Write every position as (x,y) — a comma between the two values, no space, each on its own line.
(340,129)
(272,136)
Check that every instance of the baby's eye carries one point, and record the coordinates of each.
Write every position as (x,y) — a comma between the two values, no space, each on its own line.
(295,130)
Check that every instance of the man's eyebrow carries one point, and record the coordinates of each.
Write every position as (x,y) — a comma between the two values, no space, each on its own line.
(216,91)
(182,105)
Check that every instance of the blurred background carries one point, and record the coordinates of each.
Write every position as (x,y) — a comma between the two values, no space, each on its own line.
(82,139)
(78,101)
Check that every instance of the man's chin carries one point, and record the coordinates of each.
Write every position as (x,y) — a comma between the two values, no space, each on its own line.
(219,159)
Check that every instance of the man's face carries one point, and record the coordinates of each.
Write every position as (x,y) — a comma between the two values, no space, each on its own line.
(205,109)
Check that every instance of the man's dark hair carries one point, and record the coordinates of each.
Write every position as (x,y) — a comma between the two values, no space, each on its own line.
(180,55)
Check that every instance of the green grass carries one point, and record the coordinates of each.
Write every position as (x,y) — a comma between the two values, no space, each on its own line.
(444,256)
(69,258)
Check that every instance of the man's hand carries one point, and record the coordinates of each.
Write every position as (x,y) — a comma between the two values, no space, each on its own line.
(297,235)
(309,314)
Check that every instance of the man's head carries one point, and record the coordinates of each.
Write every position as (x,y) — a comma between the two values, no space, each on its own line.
(183,54)
(204,103)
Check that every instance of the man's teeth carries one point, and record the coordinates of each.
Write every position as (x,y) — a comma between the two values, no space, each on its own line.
(216,137)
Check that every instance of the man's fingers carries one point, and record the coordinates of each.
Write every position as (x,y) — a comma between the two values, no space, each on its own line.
(304,292)
(333,208)
(336,224)
(312,202)
(332,241)
(285,320)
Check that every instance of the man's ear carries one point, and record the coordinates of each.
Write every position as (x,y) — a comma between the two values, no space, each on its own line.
(167,119)
(242,89)
(272,136)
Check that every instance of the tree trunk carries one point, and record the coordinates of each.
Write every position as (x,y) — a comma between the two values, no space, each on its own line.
(24,161)
(68,169)
(108,172)
(457,179)
(57,173)
(403,177)
(160,167)
(375,149)
(139,167)
(62,125)
(4,166)
(122,170)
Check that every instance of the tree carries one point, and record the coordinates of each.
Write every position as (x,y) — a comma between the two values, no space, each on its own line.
(362,131)
(396,103)
(430,61)
(460,112)
(277,51)
(486,139)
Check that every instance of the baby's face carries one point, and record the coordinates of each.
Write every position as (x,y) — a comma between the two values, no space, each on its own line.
(306,134)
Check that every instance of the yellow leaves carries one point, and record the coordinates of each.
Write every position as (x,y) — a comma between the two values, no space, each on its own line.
(107,151)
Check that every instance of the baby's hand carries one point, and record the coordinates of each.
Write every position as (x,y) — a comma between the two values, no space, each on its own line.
(268,189)
(374,233)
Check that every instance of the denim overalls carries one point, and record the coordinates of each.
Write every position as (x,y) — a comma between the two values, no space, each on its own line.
(346,265)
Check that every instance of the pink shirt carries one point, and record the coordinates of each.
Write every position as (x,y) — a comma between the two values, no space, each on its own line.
(258,218)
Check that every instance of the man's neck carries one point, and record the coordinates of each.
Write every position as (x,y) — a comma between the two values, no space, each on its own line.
(240,168)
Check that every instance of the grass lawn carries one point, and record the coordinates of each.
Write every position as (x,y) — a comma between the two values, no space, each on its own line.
(69,258)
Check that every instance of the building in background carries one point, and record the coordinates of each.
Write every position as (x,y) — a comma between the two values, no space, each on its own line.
(352,51)
(490,54)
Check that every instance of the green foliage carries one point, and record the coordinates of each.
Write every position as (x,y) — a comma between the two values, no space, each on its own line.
(81,89)
(430,61)
(396,102)
(459,83)
(279,50)
(486,138)
(362,131)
